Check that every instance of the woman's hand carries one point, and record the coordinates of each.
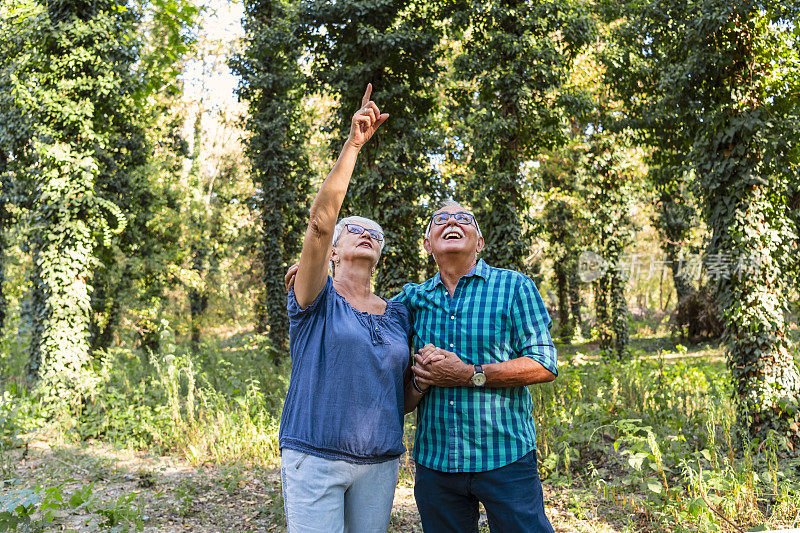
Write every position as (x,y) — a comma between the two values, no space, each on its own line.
(288,279)
(366,121)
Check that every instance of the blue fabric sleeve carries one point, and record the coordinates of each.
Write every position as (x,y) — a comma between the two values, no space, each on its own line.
(296,313)
(531,326)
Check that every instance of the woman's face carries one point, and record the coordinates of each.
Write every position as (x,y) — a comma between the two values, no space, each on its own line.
(353,246)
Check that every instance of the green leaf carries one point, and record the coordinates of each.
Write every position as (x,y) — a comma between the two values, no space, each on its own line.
(655,487)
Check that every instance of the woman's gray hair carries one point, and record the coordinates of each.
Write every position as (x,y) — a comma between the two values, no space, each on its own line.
(361,221)
(449,202)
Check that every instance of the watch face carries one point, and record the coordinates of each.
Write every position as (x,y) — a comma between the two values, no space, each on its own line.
(479,379)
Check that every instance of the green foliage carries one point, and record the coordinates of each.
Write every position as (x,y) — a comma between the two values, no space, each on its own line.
(392,44)
(656,438)
(79,57)
(515,58)
(719,70)
(272,87)
(36,509)
(221,404)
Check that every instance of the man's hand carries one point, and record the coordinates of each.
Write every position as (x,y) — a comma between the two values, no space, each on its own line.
(366,121)
(441,368)
(288,279)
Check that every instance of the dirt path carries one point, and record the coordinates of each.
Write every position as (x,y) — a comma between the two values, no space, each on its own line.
(168,494)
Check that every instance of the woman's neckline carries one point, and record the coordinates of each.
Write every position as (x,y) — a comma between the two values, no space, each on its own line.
(379,315)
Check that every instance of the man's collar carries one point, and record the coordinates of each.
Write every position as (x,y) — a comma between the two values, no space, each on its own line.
(480,269)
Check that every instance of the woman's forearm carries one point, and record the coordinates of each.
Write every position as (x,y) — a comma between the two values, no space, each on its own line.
(411,396)
(313,270)
(325,208)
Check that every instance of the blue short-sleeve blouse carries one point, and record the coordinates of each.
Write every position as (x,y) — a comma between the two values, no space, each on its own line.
(345,398)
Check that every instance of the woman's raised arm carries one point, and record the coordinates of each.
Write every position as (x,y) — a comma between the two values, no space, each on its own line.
(313,269)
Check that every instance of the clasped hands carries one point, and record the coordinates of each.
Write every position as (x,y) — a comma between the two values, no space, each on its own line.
(439,367)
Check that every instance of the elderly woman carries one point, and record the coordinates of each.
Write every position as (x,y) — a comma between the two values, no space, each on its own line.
(342,424)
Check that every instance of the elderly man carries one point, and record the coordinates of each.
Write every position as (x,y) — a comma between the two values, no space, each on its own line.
(483,335)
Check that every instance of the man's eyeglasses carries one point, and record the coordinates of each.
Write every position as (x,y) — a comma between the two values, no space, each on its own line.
(358,230)
(462,218)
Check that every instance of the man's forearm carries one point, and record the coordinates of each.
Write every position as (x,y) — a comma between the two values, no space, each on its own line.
(517,372)
(448,370)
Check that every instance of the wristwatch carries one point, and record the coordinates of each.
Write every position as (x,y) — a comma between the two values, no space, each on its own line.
(478,378)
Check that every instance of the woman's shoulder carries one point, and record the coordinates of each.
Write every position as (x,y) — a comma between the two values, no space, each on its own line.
(294,309)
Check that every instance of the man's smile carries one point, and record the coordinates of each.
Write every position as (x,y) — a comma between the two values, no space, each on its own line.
(452,233)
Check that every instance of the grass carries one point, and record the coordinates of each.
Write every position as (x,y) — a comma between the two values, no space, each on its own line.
(646,445)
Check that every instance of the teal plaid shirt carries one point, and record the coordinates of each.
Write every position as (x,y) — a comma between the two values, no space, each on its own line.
(494,315)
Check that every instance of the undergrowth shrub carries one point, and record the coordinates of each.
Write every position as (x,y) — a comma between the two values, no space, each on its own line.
(658,438)
(222,405)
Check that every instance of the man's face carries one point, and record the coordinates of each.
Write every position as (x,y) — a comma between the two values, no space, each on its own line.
(453,237)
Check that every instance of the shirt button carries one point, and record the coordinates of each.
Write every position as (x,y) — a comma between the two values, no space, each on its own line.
(451,344)
(451,402)
(452,317)
(376,328)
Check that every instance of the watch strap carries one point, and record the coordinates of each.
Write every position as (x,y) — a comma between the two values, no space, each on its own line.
(478,369)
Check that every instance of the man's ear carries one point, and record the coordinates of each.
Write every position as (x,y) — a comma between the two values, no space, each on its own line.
(334,255)
(426,243)
(481,245)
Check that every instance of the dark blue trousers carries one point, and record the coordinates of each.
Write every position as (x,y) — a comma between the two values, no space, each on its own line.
(512,496)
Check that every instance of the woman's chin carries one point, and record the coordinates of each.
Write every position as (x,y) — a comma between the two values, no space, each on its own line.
(363,259)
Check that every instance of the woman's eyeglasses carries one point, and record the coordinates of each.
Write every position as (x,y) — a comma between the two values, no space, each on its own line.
(461,218)
(358,230)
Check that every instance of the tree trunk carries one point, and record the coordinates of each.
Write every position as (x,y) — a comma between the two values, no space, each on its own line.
(750,230)
(198,297)
(5,220)
(62,255)
(620,313)
(674,229)
(564,325)
(575,301)
(272,281)
(601,311)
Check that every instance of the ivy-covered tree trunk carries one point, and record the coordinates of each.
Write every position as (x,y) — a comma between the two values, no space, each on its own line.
(745,183)
(272,87)
(602,289)
(620,314)
(761,360)
(748,217)
(563,301)
(609,195)
(676,213)
(5,219)
(72,76)
(742,128)
(62,256)
(515,59)
(198,295)
(575,299)
(393,45)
